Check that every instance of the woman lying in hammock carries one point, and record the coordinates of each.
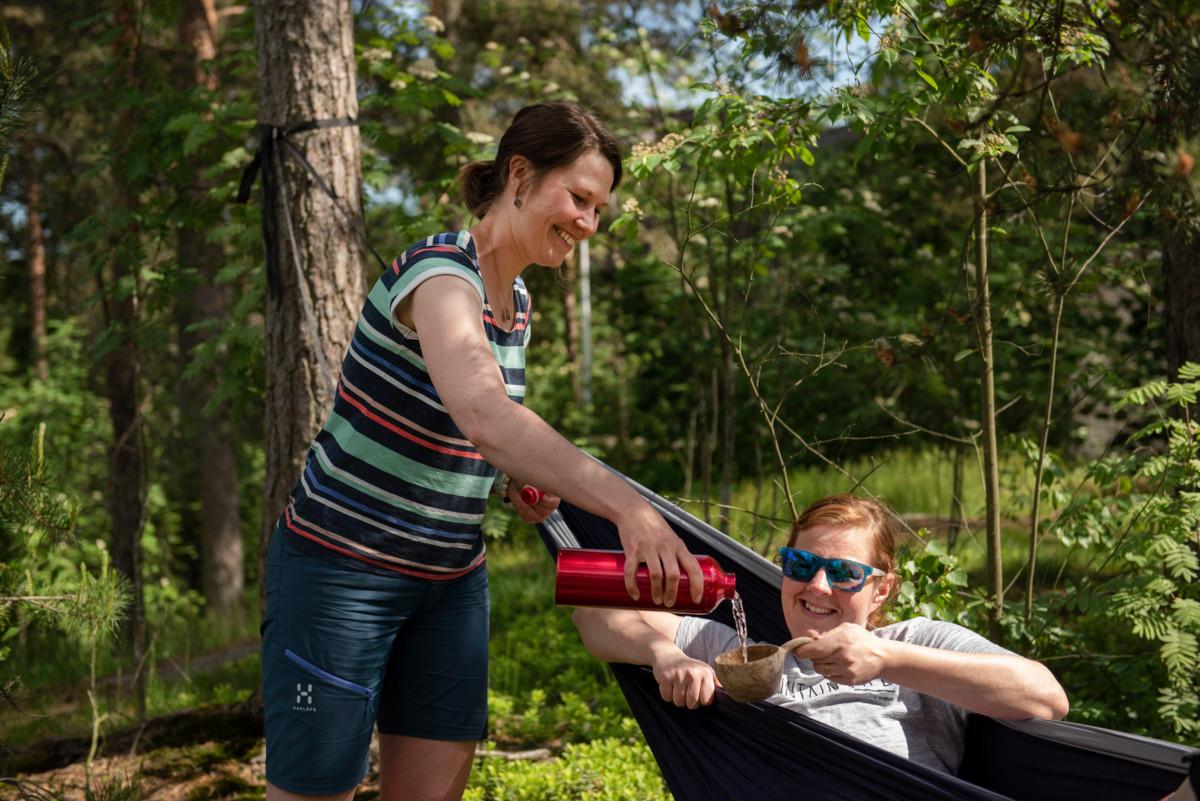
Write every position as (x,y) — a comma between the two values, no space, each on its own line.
(906,687)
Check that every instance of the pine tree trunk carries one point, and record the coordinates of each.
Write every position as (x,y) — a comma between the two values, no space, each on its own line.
(210,436)
(306,72)
(126,467)
(37,270)
(1181,294)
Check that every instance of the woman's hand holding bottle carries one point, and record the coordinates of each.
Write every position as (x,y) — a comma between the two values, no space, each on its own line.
(647,539)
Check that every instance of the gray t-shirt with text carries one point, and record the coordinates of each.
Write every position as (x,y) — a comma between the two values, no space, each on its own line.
(914,725)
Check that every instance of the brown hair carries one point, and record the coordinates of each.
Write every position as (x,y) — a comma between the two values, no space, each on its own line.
(548,135)
(872,516)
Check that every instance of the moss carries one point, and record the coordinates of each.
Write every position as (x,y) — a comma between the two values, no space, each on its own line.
(226,788)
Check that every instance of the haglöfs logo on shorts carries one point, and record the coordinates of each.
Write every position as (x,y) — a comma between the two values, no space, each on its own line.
(304,699)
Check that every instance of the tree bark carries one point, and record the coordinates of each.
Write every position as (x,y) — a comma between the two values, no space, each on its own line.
(126,467)
(1181,295)
(211,435)
(37,270)
(306,72)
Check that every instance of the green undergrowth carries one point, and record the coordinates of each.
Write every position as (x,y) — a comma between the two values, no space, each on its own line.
(44,714)
(226,788)
(604,770)
(544,686)
(49,660)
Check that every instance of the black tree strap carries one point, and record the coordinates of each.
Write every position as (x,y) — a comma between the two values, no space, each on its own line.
(268,161)
(271,139)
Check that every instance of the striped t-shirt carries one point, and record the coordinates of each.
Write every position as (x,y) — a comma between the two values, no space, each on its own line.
(390,479)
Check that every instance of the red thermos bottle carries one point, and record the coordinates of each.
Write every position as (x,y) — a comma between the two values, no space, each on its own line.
(586,577)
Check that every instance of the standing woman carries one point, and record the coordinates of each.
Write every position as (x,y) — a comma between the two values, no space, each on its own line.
(377,602)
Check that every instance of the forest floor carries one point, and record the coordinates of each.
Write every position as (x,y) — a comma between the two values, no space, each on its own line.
(210,753)
(190,755)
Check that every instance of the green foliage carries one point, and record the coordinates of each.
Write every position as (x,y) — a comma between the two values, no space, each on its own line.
(793,224)
(84,603)
(1140,517)
(931,584)
(544,686)
(18,84)
(117,786)
(603,770)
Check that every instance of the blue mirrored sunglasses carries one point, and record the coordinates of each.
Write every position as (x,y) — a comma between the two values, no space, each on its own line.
(842,574)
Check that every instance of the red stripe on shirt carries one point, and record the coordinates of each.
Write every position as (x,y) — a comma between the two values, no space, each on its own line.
(354,555)
(398,430)
(488,318)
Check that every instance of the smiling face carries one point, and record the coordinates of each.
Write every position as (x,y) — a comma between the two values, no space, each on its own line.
(561,208)
(812,608)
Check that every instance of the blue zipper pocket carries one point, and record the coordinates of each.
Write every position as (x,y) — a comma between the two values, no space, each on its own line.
(325,675)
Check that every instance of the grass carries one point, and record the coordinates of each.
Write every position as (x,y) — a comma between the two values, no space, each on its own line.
(64,712)
(919,486)
(49,660)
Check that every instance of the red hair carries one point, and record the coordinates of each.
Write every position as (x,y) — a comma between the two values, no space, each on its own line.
(868,515)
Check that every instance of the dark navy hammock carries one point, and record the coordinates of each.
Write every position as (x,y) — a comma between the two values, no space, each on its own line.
(762,751)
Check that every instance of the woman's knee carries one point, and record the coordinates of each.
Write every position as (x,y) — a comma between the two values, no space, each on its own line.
(279,794)
(419,769)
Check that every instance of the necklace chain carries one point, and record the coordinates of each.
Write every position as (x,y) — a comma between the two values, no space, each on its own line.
(506,313)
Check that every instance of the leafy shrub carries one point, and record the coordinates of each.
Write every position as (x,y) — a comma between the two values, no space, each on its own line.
(603,770)
(1134,621)
(931,584)
(544,686)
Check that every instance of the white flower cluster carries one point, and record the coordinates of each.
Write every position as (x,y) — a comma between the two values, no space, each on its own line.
(377,55)
(424,69)
(661,147)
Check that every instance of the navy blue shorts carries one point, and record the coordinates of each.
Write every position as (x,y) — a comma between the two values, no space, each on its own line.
(346,647)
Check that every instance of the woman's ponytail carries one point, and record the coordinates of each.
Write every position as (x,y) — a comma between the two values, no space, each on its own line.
(479,184)
(548,136)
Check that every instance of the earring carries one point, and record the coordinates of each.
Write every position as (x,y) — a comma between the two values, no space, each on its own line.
(517,202)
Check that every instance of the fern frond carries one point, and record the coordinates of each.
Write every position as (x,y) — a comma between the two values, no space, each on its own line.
(1179,652)
(1181,394)
(1143,394)
(1144,613)
(1186,612)
(1178,558)
(1151,430)
(1179,708)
